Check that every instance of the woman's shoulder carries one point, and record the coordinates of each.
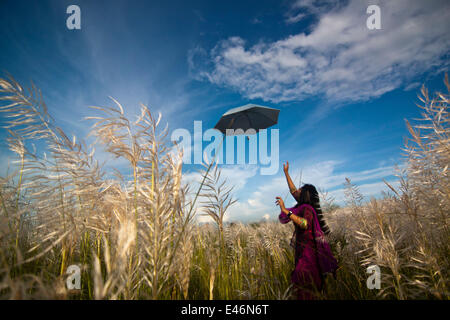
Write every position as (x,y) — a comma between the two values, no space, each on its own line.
(305,207)
(301,210)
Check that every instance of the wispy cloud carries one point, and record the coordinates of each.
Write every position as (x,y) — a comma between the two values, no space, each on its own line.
(302,8)
(295,18)
(340,59)
(236,176)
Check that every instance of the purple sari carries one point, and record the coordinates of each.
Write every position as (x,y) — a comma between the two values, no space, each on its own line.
(313,256)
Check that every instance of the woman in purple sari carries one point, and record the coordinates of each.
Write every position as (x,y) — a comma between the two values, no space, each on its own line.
(313,256)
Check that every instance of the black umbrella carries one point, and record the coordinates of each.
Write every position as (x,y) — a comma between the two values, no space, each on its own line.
(250,116)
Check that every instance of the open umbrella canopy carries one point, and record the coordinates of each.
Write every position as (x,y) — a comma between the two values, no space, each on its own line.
(250,116)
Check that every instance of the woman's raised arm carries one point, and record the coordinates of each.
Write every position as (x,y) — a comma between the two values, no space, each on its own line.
(291,184)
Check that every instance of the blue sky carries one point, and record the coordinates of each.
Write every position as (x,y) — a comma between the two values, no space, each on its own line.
(343,90)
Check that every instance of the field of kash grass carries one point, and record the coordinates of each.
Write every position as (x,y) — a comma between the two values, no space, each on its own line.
(134,236)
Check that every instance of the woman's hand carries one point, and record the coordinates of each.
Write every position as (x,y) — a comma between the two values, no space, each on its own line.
(280,203)
(286,167)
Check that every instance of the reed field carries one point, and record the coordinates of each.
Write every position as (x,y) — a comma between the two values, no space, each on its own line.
(134,235)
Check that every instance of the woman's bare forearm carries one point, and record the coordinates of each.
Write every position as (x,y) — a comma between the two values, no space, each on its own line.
(301,222)
(291,184)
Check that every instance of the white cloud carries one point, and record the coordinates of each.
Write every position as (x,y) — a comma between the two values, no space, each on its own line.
(296,18)
(368,190)
(301,8)
(236,177)
(340,58)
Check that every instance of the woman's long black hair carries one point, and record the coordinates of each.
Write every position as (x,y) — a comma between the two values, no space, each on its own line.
(309,195)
